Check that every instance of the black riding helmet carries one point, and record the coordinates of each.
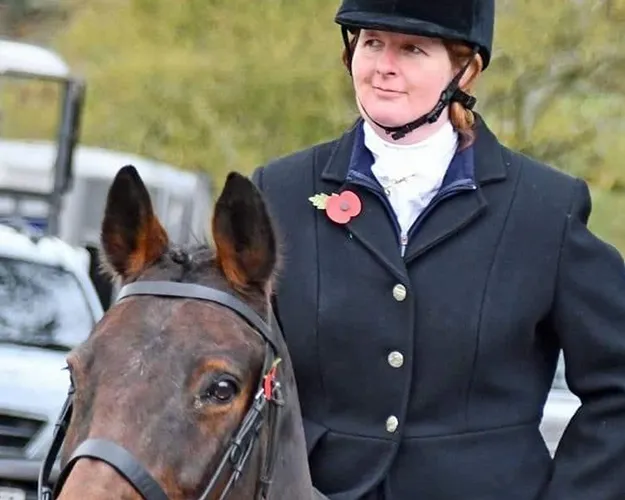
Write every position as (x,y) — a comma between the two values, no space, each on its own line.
(468,21)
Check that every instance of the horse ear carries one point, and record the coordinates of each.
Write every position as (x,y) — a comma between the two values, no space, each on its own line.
(132,237)
(244,237)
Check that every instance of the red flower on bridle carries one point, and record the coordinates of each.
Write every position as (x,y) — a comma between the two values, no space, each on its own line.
(340,208)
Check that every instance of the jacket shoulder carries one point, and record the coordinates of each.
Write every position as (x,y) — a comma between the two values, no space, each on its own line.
(534,168)
(542,183)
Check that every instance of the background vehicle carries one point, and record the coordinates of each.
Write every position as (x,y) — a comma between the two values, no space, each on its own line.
(39,276)
(33,75)
(52,195)
(60,187)
(48,305)
(182,200)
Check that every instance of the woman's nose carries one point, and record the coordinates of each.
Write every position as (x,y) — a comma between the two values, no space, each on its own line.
(386,63)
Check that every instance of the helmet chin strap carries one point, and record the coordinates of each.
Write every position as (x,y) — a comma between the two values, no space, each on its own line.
(452,93)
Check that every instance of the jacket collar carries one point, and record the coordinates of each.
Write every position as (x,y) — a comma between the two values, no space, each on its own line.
(349,151)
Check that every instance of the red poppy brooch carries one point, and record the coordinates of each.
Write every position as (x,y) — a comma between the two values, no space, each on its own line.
(340,208)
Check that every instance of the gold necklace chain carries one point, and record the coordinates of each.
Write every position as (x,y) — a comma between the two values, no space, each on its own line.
(387,187)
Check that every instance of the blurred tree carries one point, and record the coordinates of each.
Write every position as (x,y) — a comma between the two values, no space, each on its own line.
(220,85)
(11,12)
(209,84)
(557,91)
(34,20)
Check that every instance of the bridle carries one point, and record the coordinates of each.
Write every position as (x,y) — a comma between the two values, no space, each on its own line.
(265,408)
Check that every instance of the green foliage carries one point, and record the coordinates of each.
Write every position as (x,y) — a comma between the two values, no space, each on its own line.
(606,219)
(228,84)
(21,99)
(209,85)
(31,19)
(220,85)
(556,90)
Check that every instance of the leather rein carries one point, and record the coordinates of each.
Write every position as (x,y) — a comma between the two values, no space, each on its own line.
(265,410)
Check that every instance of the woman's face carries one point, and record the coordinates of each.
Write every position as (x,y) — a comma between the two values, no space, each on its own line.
(397,77)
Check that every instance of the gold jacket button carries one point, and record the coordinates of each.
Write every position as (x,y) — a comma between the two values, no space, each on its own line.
(399,292)
(396,359)
(392,423)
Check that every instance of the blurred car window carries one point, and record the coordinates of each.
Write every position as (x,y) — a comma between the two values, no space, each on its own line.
(41,305)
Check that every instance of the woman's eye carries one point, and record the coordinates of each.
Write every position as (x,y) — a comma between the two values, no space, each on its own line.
(222,391)
(413,49)
(372,42)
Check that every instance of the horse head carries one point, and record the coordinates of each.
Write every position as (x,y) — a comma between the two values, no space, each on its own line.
(183,390)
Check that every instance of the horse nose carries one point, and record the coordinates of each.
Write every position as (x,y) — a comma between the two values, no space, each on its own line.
(96,480)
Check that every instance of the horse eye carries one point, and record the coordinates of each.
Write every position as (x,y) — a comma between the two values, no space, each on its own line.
(222,391)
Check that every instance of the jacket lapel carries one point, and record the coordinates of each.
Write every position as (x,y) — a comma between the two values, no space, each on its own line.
(372,228)
(456,213)
(446,219)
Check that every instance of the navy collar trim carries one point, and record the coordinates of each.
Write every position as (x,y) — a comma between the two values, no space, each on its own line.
(461,168)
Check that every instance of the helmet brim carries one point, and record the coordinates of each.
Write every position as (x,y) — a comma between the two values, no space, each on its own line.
(399,24)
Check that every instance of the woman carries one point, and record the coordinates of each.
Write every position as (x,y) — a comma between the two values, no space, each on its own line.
(431,277)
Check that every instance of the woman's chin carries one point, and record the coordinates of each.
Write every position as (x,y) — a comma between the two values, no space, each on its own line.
(389,120)
(386,113)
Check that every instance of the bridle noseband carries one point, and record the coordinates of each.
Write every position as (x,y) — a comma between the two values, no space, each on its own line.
(265,408)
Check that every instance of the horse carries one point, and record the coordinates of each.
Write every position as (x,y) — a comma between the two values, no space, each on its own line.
(184,389)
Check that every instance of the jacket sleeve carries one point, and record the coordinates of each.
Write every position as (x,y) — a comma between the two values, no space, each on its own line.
(589,319)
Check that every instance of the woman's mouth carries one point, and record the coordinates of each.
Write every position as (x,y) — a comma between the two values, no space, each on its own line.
(387,92)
